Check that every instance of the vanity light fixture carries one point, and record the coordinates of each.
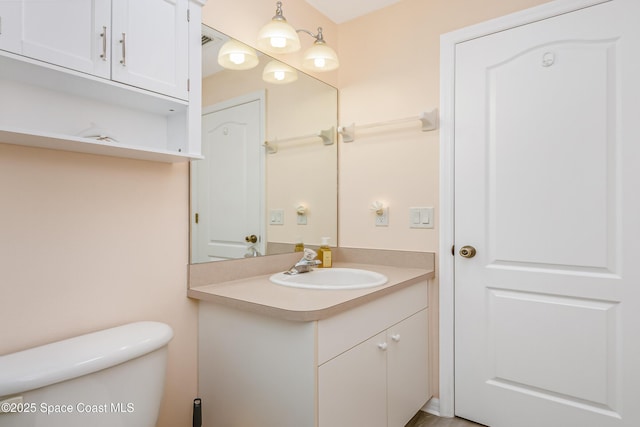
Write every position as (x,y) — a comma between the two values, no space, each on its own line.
(319,57)
(279,73)
(278,36)
(235,55)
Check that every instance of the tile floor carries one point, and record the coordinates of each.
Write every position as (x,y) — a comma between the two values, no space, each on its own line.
(422,419)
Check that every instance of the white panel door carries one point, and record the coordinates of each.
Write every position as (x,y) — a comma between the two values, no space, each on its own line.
(547,147)
(69,33)
(150,45)
(229,183)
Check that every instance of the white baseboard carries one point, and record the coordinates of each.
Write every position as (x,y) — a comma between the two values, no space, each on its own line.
(432,406)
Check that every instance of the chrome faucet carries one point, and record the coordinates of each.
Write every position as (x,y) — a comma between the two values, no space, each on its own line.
(252,252)
(306,264)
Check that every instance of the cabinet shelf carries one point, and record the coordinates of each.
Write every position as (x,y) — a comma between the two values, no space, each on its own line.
(45,105)
(49,76)
(90,146)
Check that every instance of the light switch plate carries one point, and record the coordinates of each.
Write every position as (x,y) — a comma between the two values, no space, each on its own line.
(420,217)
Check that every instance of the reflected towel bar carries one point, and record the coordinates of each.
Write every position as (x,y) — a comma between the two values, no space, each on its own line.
(327,136)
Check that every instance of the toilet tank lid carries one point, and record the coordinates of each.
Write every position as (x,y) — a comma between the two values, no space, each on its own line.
(71,358)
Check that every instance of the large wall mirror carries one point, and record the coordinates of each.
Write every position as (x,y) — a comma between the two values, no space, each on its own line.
(269,178)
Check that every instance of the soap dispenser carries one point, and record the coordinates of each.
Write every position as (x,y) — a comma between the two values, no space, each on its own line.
(299,245)
(324,254)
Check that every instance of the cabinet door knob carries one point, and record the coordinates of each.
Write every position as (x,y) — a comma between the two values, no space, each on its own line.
(382,346)
(395,337)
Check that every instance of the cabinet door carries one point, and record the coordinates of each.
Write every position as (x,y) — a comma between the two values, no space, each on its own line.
(150,45)
(69,33)
(407,368)
(10,25)
(352,389)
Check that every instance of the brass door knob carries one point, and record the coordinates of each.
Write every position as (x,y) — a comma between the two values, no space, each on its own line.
(251,239)
(467,252)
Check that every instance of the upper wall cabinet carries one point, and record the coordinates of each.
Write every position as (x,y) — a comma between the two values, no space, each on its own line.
(113,74)
(10,25)
(145,57)
(61,33)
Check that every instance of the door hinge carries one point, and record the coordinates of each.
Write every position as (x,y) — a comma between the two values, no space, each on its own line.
(188,15)
(197,217)
(188,85)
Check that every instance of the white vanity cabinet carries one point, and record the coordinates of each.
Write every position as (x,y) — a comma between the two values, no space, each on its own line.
(366,366)
(122,67)
(380,382)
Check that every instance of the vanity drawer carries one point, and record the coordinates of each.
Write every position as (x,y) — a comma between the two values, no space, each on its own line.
(339,333)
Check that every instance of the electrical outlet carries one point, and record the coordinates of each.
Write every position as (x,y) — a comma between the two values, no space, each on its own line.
(382,220)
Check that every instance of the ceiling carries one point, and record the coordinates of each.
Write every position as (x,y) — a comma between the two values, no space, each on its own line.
(340,11)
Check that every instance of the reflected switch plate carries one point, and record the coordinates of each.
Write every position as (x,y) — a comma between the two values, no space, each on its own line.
(276,217)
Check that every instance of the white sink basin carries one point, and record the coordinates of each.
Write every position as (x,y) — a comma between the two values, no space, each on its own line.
(331,278)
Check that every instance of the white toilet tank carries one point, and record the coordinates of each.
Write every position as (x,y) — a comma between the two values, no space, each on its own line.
(109,378)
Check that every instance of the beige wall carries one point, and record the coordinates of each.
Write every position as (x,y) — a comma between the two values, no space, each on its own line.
(89,242)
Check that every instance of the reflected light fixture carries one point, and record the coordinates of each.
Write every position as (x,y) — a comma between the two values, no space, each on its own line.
(278,36)
(279,73)
(234,55)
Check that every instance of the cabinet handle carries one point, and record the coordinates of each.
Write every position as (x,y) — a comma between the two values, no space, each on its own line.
(382,346)
(104,43)
(123,61)
(395,337)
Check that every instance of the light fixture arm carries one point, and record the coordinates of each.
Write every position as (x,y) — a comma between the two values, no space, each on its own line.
(319,37)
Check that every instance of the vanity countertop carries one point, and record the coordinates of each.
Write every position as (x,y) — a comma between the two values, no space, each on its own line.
(260,295)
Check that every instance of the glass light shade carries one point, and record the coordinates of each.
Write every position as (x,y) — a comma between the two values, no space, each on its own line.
(279,73)
(278,36)
(234,55)
(320,57)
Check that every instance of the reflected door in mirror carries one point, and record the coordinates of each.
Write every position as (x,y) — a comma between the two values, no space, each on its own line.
(229,183)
